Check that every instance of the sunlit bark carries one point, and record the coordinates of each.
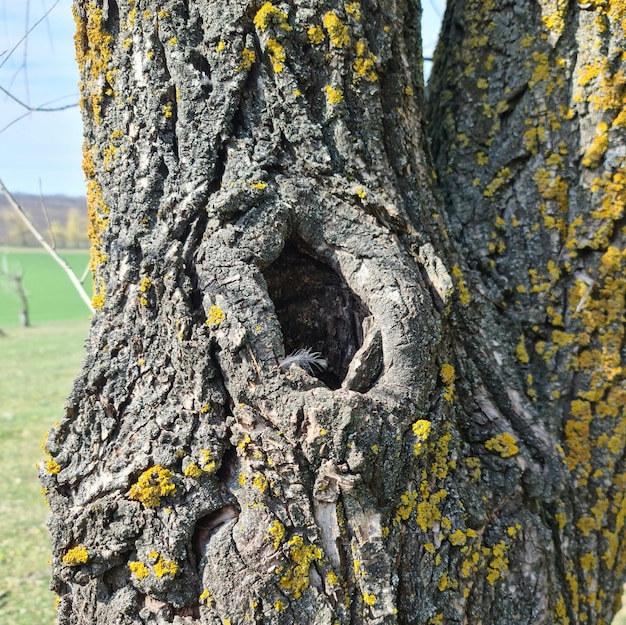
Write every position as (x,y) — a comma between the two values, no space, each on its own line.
(259,183)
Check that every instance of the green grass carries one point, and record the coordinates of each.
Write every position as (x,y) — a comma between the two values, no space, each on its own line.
(51,295)
(37,367)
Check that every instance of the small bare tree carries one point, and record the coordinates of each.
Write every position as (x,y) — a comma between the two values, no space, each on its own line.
(17,280)
(49,248)
(21,214)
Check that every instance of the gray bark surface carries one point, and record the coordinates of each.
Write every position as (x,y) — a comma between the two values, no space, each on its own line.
(259,183)
(528,128)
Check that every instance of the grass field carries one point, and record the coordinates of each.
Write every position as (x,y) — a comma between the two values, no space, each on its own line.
(51,296)
(37,367)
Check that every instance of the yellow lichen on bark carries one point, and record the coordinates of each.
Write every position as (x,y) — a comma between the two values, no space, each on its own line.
(316,35)
(447,375)
(165,567)
(277,532)
(337,30)
(139,569)
(269,14)
(364,62)
(277,55)
(296,578)
(334,95)
(152,485)
(215,316)
(93,53)
(248,58)
(504,444)
(421,429)
(76,556)
(97,213)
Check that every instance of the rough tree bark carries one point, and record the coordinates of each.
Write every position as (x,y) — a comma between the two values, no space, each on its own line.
(259,182)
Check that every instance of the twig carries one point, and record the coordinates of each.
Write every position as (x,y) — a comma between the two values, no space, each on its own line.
(24,66)
(44,108)
(35,110)
(29,224)
(28,32)
(38,109)
(45,212)
(436,9)
(83,276)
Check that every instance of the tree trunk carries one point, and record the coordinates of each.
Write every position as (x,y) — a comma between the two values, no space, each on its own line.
(259,183)
(528,126)
(18,279)
(18,283)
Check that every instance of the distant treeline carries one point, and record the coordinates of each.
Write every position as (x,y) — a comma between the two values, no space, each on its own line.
(62,220)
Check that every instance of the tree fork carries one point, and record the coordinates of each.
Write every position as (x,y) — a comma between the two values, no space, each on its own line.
(259,183)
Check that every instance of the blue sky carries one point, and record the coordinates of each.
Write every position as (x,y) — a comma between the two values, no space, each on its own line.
(40,146)
(45,148)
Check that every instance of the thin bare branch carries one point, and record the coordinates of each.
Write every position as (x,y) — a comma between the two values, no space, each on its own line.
(17,119)
(38,109)
(24,66)
(43,108)
(29,224)
(18,281)
(436,8)
(28,32)
(45,212)
(30,110)
(85,273)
